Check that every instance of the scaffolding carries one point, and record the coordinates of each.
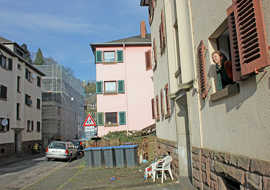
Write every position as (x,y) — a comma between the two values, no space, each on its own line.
(62,103)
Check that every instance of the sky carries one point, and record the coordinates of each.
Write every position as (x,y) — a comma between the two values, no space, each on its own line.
(64,29)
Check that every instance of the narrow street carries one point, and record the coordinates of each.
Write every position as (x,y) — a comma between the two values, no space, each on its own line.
(38,174)
(21,174)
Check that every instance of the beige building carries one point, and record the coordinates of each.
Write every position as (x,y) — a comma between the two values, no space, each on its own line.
(222,131)
(20,100)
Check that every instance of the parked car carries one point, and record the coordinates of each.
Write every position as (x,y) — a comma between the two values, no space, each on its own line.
(61,150)
(79,145)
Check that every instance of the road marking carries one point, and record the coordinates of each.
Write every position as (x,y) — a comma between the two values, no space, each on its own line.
(44,177)
(71,178)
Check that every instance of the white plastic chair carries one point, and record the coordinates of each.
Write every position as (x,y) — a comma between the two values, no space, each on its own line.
(162,165)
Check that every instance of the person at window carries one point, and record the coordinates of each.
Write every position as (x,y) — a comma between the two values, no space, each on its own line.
(224,70)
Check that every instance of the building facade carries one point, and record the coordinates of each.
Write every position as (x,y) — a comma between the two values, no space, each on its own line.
(20,100)
(63,103)
(222,129)
(124,84)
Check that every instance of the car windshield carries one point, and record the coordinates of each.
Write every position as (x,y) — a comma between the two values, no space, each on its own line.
(57,145)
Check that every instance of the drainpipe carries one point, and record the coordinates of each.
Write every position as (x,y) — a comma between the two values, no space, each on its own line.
(126,89)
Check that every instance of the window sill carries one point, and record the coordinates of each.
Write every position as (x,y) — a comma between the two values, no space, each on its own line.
(110,93)
(228,91)
(111,125)
(29,105)
(3,99)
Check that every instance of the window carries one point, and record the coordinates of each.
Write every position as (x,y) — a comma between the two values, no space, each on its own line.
(162,35)
(38,103)
(18,84)
(38,81)
(157,106)
(3,62)
(167,101)
(38,126)
(5,127)
(203,88)
(28,75)
(28,100)
(3,92)
(19,66)
(249,46)
(151,8)
(153,108)
(32,125)
(18,111)
(110,87)
(155,54)
(148,60)
(28,126)
(161,103)
(109,56)
(10,64)
(111,118)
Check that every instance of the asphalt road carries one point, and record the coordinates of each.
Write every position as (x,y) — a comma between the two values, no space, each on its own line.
(24,173)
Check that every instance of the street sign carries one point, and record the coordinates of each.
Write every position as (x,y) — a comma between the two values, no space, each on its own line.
(89,121)
(4,122)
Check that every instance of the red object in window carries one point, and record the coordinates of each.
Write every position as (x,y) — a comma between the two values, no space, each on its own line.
(251,35)
(167,100)
(202,71)
(67,152)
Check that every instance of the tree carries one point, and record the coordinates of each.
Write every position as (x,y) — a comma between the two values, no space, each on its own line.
(27,54)
(39,58)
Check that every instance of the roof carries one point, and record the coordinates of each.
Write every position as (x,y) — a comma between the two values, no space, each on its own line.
(3,47)
(4,40)
(133,40)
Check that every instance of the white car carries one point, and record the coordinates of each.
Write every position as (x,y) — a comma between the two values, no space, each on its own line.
(61,150)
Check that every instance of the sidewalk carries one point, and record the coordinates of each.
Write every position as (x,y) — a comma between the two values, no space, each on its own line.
(14,158)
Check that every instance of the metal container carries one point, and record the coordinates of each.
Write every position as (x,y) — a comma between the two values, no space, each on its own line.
(108,154)
(131,155)
(119,155)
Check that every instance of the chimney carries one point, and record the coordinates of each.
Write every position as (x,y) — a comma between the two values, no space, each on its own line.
(143,29)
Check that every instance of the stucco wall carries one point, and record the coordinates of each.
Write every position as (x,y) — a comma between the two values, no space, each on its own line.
(166,128)
(237,124)
(136,101)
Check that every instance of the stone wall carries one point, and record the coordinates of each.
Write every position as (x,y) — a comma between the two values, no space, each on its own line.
(217,170)
(7,149)
(165,147)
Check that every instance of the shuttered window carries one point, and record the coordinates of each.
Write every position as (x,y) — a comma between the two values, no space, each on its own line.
(157,106)
(162,35)
(202,71)
(3,92)
(246,21)
(155,54)
(120,56)
(100,118)
(121,86)
(122,118)
(153,108)
(167,99)
(99,87)
(98,56)
(161,103)
(148,60)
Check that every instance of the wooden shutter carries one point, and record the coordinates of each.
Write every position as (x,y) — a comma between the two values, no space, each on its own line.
(148,60)
(98,56)
(155,51)
(168,107)
(161,103)
(153,108)
(236,68)
(202,71)
(120,56)
(251,35)
(99,87)
(163,30)
(121,86)
(100,118)
(122,118)
(157,104)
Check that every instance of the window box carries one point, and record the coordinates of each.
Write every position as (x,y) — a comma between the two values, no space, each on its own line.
(228,91)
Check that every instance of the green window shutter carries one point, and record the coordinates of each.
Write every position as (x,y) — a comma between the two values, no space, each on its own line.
(121,86)
(120,56)
(219,82)
(122,118)
(99,87)
(100,118)
(98,56)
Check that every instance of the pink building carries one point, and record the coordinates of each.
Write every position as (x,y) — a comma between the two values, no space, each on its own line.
(124,83)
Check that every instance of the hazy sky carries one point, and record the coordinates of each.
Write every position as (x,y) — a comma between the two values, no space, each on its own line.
(63,29)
